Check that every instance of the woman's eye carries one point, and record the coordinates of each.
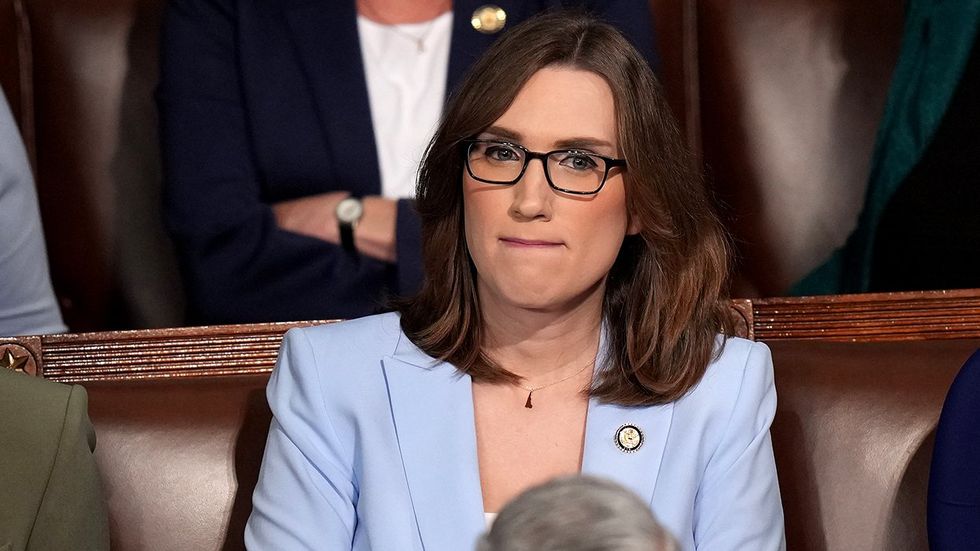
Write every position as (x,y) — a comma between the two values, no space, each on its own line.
(579,161)
(502,153)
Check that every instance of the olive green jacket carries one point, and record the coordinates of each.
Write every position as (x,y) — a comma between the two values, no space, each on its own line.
(50,492)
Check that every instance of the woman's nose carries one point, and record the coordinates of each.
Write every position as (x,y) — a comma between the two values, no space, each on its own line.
(532,194)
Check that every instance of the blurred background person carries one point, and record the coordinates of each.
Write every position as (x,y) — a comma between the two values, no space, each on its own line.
(578,513)
(27,301)
(291,135)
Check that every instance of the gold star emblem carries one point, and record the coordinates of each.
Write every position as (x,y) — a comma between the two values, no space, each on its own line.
(9,361)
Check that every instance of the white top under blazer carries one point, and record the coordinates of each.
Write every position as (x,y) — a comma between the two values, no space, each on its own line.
(373,446)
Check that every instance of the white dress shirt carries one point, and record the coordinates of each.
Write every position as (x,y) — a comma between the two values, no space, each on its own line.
(405,67)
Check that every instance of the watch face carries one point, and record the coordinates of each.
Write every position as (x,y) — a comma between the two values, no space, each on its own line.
(349,210)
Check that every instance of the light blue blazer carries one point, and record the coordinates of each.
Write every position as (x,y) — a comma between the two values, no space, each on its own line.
(373,446)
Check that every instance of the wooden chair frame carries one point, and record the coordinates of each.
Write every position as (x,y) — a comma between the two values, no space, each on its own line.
(252,349)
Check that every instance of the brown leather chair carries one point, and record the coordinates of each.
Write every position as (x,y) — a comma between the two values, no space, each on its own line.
(180,458)
(80,75)
(853,437)
(181,416)
(790,95)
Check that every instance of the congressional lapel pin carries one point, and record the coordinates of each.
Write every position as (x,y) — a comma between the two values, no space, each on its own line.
(489,19)
(629,438)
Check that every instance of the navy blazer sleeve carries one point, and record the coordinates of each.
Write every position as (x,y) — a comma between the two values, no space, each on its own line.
(954,478)
(264,101)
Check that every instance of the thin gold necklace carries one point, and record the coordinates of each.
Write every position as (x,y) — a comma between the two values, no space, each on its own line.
(531,389)
(419,40)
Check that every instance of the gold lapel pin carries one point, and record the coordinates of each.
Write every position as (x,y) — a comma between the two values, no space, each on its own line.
(489,19)
(629,438)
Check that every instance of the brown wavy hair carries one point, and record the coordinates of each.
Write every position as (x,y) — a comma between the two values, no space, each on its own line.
(664,303)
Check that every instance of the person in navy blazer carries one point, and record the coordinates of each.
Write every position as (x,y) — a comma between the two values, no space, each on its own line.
(568,323)
(265,102)
(954,479)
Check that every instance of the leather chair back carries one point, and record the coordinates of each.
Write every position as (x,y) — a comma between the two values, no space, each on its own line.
(853,436)
(180,458)
(791,93)
(80,75)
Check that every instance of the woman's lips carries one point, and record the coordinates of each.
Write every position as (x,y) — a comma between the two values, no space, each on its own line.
(521,243)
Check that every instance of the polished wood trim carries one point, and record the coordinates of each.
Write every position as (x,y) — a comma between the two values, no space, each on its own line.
(252,349)
(158,353)
(926,315)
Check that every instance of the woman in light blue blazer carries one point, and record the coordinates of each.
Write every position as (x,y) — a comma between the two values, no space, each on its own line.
(572,320)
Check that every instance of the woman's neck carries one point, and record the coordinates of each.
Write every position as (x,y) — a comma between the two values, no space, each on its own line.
(531,343)
(396,12)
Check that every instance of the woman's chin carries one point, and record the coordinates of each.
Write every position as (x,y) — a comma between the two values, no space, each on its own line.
(549,300)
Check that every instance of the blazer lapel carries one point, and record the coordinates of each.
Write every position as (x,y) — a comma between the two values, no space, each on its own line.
(432,405)
(637,470)
(326,40)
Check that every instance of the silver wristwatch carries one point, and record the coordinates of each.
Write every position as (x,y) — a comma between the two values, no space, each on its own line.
(349,212)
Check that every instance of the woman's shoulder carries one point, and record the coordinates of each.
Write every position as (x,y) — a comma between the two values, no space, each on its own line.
(740,376)
(341,351)
(337,363)
(371,336)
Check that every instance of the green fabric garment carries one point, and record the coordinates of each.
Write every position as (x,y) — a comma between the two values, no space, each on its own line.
(936,45)
(51,496)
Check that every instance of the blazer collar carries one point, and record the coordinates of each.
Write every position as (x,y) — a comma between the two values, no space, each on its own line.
(432,406)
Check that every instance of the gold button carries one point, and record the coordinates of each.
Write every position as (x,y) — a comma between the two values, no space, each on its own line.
(629,438)
(489,19)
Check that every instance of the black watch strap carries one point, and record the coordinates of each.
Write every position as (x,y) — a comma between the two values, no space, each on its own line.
(347,237)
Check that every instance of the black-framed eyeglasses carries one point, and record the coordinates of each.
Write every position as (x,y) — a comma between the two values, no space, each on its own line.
(567,170)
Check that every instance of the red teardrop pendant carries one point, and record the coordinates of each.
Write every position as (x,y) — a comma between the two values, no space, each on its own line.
(527,404)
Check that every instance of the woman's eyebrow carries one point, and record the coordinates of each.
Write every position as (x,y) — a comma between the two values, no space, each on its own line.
(503,133)
(583,142)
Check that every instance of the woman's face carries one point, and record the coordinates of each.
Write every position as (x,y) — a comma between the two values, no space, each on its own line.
(535,247)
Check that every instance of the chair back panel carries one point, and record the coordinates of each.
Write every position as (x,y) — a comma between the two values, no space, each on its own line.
(15,68)
(179,458)
(93,71)
(853,437)
(791,94)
